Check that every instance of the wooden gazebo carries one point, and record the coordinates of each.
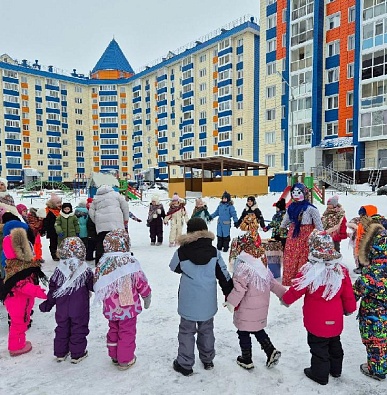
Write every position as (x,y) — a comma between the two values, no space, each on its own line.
(217,174)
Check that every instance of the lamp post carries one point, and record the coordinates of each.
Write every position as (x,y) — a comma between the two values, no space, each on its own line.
(291,145)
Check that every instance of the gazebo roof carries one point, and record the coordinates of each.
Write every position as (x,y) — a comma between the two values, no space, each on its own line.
(214,163)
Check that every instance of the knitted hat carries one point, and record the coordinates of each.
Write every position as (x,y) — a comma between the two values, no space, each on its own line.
(321,246)
(68,205)
(196,224)
(156,199)
(251,199)
(333,201)
(299,189)
(281,204)
(41,213)
(249,243)
(175,197)
(72,247)
(226,196)
(199,202)
(82,203)
(88,202)
(4,181)
(20,208)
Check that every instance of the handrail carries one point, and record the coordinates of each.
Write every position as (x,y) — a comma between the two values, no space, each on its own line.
(334,178)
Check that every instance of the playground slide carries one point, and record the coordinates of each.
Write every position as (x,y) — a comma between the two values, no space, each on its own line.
(286,195)
(131,195)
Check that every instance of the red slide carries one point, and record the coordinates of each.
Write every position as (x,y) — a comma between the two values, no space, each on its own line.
(286,195)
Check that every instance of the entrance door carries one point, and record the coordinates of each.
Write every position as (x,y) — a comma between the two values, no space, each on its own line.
(328,160)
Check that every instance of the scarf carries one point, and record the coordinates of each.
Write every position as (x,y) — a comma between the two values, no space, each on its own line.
(6,198)
(153,210)
(317,273)
(253,270)
(332,218)
(174,209)
(295,212)
(70,274)
(55,211)
(115,274)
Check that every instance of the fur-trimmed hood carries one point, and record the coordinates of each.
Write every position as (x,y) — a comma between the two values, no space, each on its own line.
(20,244)
(371,229)
(197,247)
(252,208)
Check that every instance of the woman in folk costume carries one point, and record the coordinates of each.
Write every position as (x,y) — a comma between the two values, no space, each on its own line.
(334,221)
(20,286)
(249,299)
(326,286)
(70,287)
(200,210)
(52,212)
(302,217)
(177,215)
(118,283)
(156,214)
(371,288)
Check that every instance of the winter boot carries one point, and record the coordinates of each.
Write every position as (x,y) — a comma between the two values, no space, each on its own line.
(27,348)
(364,369)
(178,368)
(245,360)
(273,355)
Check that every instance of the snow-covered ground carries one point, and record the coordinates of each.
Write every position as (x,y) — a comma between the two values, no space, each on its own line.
(39,373)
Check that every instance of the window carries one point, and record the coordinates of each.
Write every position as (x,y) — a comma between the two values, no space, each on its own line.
(202,58)
(271,21)
(271,45)
(332,128)
(270,160)
(351,70)
(202,72)
(351,14)
(270,114)
(271,68)
(332,102)
(270,91)
(351,42)
(333,21)
(333,75)
(333,48)
(350,98)
(349,126)
(269,137)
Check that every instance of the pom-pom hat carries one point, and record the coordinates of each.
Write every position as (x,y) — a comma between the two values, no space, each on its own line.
(333,201)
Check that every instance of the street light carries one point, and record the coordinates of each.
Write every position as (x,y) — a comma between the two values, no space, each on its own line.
(290,150)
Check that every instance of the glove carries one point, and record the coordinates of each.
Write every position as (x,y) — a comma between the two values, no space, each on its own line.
(139,220)
(77,234)
(147,301)
(230,307)
(158,211)
(265,229)
(61,235)
(236,224)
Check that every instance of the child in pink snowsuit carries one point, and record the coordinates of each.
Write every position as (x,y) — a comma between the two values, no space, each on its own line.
(20,286)
(118,283)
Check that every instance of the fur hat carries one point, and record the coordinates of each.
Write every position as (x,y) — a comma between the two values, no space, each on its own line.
(252,199)
(199,202)
(281,204)
(20,208)
(68,205)
(41,213)
(175,197)
(226,196)
(333,201)
(196,224)
(156,199)
(321,246)
(72,247)
(4,181)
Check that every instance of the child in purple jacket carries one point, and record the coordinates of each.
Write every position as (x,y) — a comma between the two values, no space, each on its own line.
(119,283)
(69,290)
(249,299)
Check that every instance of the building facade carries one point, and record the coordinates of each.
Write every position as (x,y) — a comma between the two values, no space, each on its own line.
(199,101)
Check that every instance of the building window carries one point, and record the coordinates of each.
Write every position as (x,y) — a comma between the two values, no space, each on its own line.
(333,75)
(351,42)
(351,14)
(333,48)
(270,91)
(271,45)
(350,98)
(351,70)
(269,137)
(349,126)
(270,114)
(332,102)
(270,160)
(271,21)
(333,21)
(271,68)
(332,128)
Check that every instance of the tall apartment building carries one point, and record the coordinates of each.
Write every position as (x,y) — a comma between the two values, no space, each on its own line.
(199,101)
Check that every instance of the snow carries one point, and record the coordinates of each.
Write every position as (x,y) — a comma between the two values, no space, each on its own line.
(157,328)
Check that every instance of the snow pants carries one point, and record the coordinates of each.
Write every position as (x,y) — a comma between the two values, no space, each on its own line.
(121,340)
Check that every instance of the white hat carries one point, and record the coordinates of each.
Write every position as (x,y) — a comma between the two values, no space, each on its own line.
(4,181)
(41,213)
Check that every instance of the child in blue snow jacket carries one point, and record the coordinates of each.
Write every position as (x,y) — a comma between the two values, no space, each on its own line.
(225,212)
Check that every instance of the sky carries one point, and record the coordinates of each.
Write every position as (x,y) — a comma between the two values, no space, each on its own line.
(73,34)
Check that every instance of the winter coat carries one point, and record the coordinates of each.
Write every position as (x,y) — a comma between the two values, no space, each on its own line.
(67,225)
(200,265)
(252,210)
(225,211)
(114,311)
(82,213)
(35,223)
(109,210)
(324,318)
(201,212)
(335,223)
(75,304)
(277,232)
(310,216)
(176,218)
(251,294)
(49,222)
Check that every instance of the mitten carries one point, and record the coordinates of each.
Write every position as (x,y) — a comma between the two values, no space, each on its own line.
(139,220)
(236,224)
(147,301)
(265,229)
(77,234)
(230,307)
(283,303)
(158,211)
(347,314)
(61,235)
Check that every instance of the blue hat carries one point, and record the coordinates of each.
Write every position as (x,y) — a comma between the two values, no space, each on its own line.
(13,225)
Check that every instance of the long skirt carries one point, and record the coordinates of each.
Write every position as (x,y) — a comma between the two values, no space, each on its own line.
(296,253)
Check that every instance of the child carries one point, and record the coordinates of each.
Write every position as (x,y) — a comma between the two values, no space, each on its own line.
(82,214)
(225,212)
(177,214)
(156,214)
(66,224)
(278,233)
(249,299)
(251,209)
(334,221)
(70,286)
(200,210)
(20,286)
(23,211)
(52,212)
(35,222)
(119,283)
(200,265)
(327,288)
(371,287)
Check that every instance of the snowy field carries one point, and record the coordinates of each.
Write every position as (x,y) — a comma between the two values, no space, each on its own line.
(39,373)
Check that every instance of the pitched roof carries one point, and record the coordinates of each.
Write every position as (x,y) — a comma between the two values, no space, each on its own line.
(113,59)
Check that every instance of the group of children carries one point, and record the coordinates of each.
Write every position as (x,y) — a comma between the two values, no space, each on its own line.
(119,282)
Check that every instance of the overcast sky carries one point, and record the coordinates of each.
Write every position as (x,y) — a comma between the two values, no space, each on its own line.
(72,34)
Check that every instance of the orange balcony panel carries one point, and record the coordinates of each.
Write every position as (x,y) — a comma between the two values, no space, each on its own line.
(122,105)
(27,156)
(26,132)
(25,121)
(156,143)
(215,75)
(95,127)
(94,106)
(215,104)
(215,133)
(94,116)
(26,145)
(214,89)
(123,116)
(95,138)
(215,59)
(124,138)
(24,97)
(25,109)
(124,127)
(95,149)
(124,158)
(96,169)
(24,85)
(94,95)
(215,118)
(215,147)
(122,94)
